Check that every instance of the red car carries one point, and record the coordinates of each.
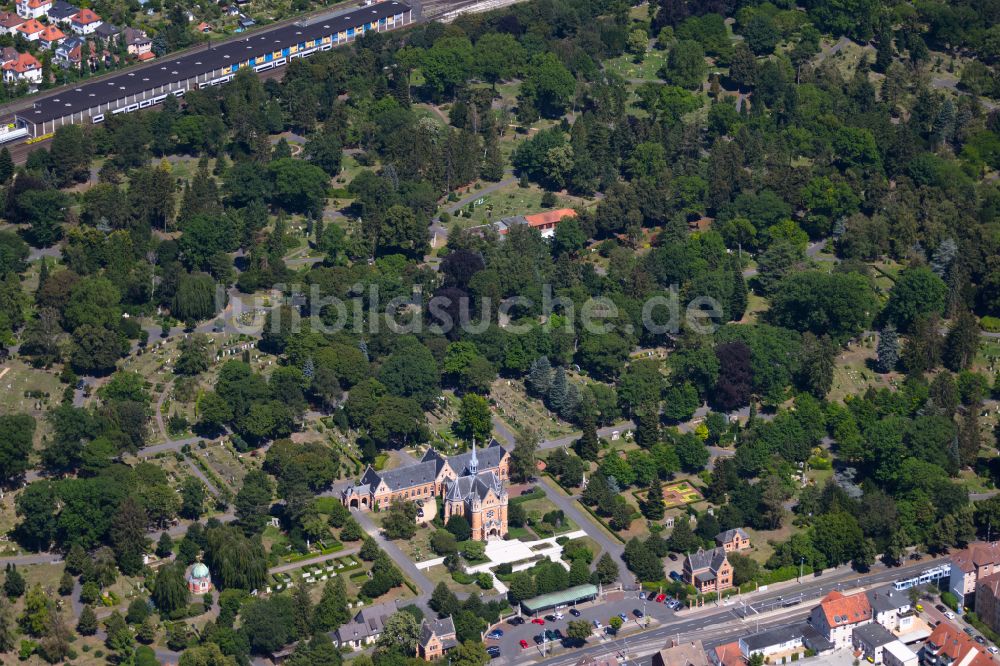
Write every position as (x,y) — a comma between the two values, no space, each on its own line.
(660,597)
(524,643)
(538,620)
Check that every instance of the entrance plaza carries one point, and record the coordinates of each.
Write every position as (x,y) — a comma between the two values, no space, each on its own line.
(520,554)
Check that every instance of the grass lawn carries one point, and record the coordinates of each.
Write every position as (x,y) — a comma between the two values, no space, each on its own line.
(537,508)
(761,549)
(439,574)
(626,66)
(17,379)
(851,375)
(510,200)
(521,411)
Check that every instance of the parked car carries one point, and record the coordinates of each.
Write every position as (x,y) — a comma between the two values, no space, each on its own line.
(949,615)
(574,612)
(968,630)
(676,576)
(637,612)
(559,615)
(676,605)
(493,651)
(660,597)
(524,644)
(539,639)
(992,649)
(980,640)
(597,624)
(495,634)
(623,616)
(672,556)
(515,621)
(538,620)
(551,618)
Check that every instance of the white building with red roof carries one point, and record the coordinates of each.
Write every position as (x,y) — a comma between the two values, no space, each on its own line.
(25,68)
(950,646)
(838,615)
(33,9)
(50,37)
(85,22)
(31,30)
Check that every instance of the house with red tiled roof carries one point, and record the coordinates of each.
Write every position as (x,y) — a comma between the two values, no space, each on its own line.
(50,37)
(24,68)
(33,9)
(148,55)
(31,30)
(970,565)
(728,654)
(9,22)
(950,646)
(85,22)
(838,615)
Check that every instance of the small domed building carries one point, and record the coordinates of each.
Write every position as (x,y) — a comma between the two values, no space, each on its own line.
(199,579)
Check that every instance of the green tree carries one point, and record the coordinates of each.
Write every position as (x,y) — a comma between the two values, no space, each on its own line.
(170,589)
(475,418)
(298,186)
(607,569)
(917,292)
(685,65)
(548,85)
(87,623)
(332,610)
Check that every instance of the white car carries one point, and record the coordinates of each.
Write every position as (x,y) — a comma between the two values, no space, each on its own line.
(950,615)
(993,649)
(559,615)
(598,625)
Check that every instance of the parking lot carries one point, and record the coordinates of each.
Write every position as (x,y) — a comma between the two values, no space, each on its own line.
(602,611)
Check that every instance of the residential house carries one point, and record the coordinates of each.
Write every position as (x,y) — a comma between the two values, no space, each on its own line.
(950,646)
(366,626)
(62,12)
(50,37)
(870,639)
(838,615)
(546,223)
(708,570)
(988,601)
(968,566)
(33,9)
(7,54)
(9,22)
(68,52)
(137,42)
(31,29)
(728,654)
(85,22)
(148,55)
(733,541)
(684,654)
(246,22)
(436,638)
(24,68)
(892,608)
(107,32)
(781,644)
